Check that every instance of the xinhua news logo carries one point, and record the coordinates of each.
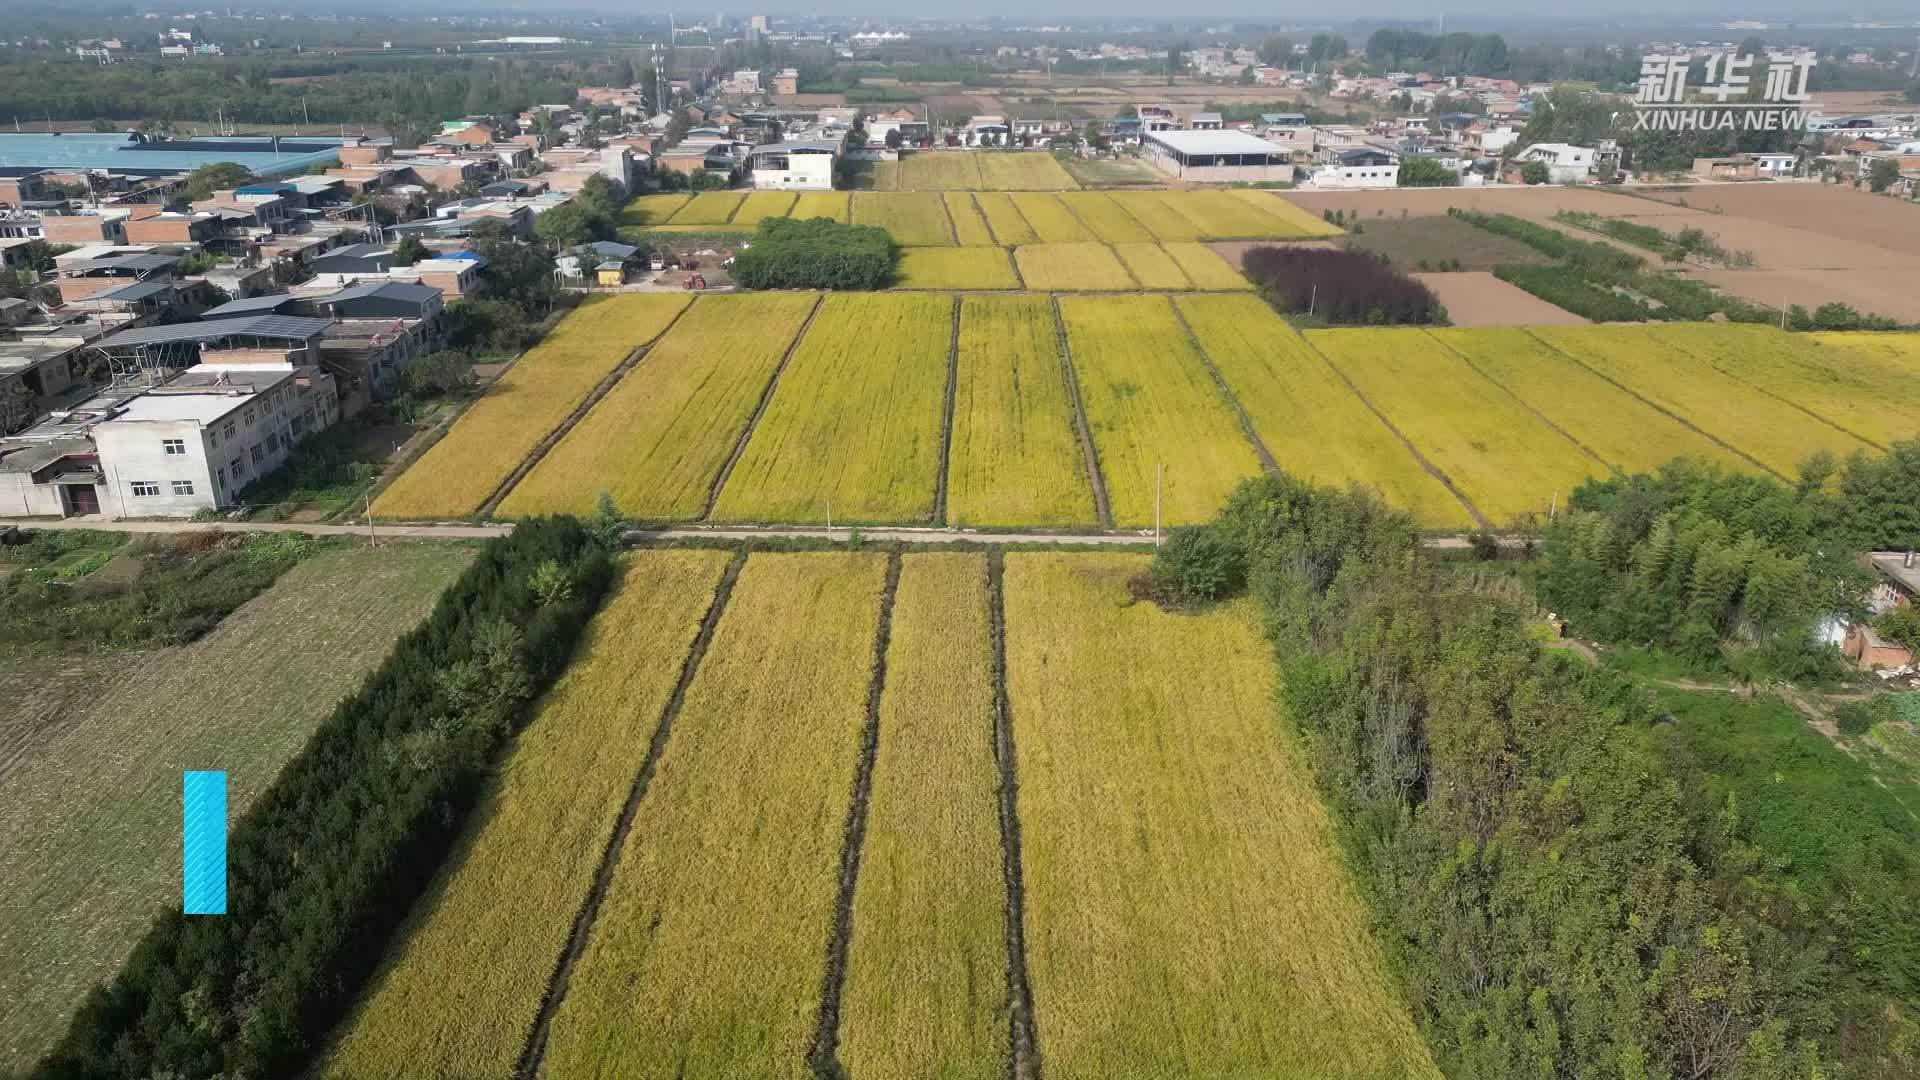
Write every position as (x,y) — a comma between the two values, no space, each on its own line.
(1727,99)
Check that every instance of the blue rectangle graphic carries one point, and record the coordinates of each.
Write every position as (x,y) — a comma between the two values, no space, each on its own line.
(203,843)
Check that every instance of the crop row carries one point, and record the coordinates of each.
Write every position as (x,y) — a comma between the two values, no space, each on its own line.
(1158,940)
(785,407)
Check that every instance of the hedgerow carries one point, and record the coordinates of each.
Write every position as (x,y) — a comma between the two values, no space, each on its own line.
(815,254)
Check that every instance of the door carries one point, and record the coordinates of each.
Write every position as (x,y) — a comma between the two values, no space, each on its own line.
(82,499)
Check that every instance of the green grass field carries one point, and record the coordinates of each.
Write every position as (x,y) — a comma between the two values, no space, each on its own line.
(459,992)
(854,425)
(926,989)
(89,821)
(1187,912)
(707,955)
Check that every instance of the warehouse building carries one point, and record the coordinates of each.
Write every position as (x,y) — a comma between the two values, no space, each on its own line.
(1215,156)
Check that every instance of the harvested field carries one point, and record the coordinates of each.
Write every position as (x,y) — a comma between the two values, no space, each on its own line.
(854,425)
(84,832)
(710,208)
(460,989)
(1187,913)
(939,170)
(1770,431)
(1538,203)
(1832,209)
(1088,267)
(1150,401)
(1507,461)
(1153,210)
(1151,266)
(658,440)
(1014,458)
(1008,226)
(1886,291)
(1429,240)
(652,209)
(1307,418)
(1205,269)
(826,204)
(1018,171)
(707,955)
(1871,398)
(1622,430)
(956,268)
(496,433)
(1100,172)
(764,204)
(1105,218)
(915,219)
(969,227)
(1050,218)
(1480,299)
(926,989)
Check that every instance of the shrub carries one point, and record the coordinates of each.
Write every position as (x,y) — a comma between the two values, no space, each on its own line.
(1853,718)
(1567,288)
(1339,286)
(816,254)
(1196,566)
(1426,172)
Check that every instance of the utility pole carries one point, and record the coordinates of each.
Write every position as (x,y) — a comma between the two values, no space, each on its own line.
(372,540)
(1157,469)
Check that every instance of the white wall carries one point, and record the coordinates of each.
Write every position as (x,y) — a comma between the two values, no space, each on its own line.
(804,172)
(134,452)
(1357,176)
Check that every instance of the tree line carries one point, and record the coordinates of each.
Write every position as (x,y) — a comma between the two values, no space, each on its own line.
(1561,891)
(323,869)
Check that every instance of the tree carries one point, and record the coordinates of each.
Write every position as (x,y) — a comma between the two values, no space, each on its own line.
(409,251)
(1276,51)
(571,224)
(1426,172)
(1881,174)
(602,194)
(893,139)
(1535,172)
(214,176)
(1175,53)
(1095,135)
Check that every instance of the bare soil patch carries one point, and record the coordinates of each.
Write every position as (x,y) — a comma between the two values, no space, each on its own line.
(1827,209)
(1475,298)
(1877,292)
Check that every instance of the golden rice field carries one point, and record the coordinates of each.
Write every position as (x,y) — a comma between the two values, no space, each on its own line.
(1023,171)
(1187,913)
(1870,396)
(1004,218)
(826,204)
(657,441)
(1901,348)
(1150,402)
(707,955)
(457,474)
(937,170)
(1085,266)
(459,991)
(956,268)
(1297,218)
(1499,454)
(709,208)
(1015,459)
(1149,265)
(1051,219)
(1156,211)
(760,205)
(914,218)
(647,210)
(969,225)
(1308,419)
(1205,269)
(1624,431)
(853,430)
(1772,432)
(1104,217)
(926,980)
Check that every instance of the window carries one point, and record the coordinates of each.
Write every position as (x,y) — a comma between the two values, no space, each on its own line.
(143,489)
(173,447)
(213,440)
(259,454)
(239,467)
(247,417)
(229,431)
(220,478)
(183,487)
(273,442)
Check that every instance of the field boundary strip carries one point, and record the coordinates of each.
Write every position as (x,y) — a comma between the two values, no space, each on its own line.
(1090,455)
(1433,470)
(1024,1062)
(826,1040)
(946,417)
(946,211)
(1011,261)
(536,1047)
(1656,406)
(760,409)
(552,438)
(1527,405)
(1226,393)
